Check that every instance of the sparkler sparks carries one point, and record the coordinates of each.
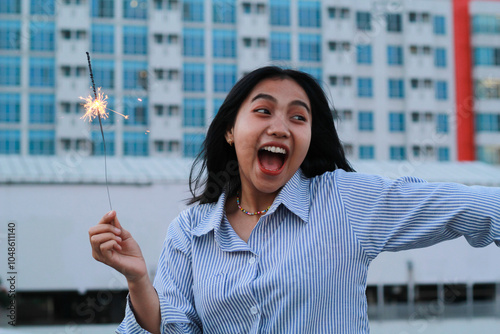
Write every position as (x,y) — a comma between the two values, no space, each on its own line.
(97,106)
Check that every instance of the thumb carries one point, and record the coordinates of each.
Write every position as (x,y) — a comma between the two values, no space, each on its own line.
(125,234)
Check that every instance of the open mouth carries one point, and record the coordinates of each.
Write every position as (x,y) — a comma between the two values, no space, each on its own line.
(272,159)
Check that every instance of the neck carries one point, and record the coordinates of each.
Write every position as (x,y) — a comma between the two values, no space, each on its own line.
(255,201)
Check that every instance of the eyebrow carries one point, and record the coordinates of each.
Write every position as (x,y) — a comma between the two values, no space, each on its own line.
(273,99)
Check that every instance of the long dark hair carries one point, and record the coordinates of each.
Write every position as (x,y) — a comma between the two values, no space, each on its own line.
(216,166)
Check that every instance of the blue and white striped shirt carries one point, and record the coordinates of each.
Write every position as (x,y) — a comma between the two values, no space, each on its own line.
(305,265)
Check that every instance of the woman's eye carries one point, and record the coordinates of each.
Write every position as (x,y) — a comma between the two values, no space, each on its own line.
(299,118)
(262,111)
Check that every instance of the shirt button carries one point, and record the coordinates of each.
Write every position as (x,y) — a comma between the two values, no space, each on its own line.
(251,260)
(254,310)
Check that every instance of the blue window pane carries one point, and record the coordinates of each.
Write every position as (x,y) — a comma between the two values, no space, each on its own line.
(396,122)
(279,12)
(194,77)
(42,108)
(224,43)
(365,121)
(42,36)
(135,144)
(224,77)
(42,7)
(98,144)
(104,72)
(10,108)
(310,47)
(135,40)
(396,89)
(217,104)
(315,72)
(442,123)
(103,8)
(10,67)
(363,21)
(136,110)
(487,122)
(443,154)
(439,25)
(395,55)
(366,152)
(224,11)
(397,153)
(440,57)
(394,23)
(365,87)
(486,24)
(42,72)
(193,10)
(364,54)
(280,46)
(194,42)
(310,14)
(103,38)
(10,32)
(42,142)
(441,90)
(484,56)
(194,112)
(10,6)
(111,115)
(137,9)
(192,144)
(135,75)
(10,142)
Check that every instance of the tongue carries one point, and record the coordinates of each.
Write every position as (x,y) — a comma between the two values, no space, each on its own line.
(271,161)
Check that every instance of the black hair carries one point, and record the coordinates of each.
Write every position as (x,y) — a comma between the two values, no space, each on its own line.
(215,169)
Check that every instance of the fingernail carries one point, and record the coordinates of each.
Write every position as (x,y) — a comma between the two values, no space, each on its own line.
(117,230)
(109,213)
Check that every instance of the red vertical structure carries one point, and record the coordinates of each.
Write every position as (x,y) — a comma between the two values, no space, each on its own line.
(463,81)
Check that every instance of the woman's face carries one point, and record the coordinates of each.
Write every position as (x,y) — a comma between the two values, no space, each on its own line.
(271,134)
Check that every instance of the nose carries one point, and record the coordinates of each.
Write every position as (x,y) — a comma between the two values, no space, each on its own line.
(278,127)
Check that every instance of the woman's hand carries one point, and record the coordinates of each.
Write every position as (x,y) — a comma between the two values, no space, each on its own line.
(115,247)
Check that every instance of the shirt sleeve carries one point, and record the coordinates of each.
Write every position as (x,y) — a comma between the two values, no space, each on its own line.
(393,215)
(173,283)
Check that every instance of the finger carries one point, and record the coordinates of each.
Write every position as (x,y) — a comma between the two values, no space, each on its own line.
(106,248)
(98,229)
(98,239)
(108,217)
(124,233)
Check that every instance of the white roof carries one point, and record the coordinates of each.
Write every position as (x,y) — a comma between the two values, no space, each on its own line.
(75,169)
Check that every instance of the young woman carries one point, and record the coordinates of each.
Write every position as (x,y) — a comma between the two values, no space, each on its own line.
(284,230)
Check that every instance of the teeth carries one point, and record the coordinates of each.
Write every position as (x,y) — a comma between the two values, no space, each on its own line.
(274,149)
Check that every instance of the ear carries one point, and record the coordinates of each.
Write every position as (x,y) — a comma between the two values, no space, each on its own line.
(229,136)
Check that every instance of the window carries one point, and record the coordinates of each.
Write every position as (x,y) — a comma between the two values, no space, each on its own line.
(111,115)
(394,55)
(10,33)
(137,111)
(192,144)
(224,11)
(397,153)
(365,87)
(441,90)
(315,72)
(135,40)
(193,10)
(42,36)
(332,12)
(136,9)
(486,24)
(364,54)
(396,89)
(487,56)
(394,23)
(443,154)
(332,80)
(41,142)
(366,152)
(135,144)
(10,141)
(104,72)
(194,77)
(280,12)
(224,43)
(415,117)
(224,77)
(10,6)
(10,108)
(42,72)
(487,88)
(365,121)
(10,67)
(217,103)
(103,38)
(45,7)
(442,123)
(363,21)
(396,122)
(42,109)
(135,75)
(103,8)
(194,112)
(310,14)
(194,42)
(309,47)
(98,144)
(440,57)
(439,25)
(487,122)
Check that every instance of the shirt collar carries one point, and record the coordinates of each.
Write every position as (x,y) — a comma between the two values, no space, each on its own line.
(294,196)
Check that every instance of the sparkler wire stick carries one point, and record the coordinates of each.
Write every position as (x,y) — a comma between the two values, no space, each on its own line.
(102,132)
